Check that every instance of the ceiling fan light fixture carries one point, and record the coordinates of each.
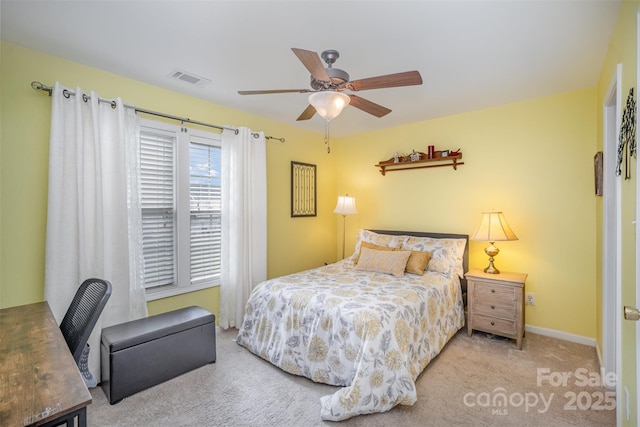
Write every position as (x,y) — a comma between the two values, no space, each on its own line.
(329,104)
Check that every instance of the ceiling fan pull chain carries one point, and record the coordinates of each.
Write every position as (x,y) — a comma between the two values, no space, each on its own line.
(326,136)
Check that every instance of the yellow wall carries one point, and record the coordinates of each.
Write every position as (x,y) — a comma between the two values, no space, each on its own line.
(623,50)
(532,160)
(24,150)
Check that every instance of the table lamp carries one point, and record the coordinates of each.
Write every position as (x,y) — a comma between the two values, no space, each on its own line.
(493,228)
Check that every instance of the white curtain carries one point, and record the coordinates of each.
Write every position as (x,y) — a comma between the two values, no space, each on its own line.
(93,219)
(244,221)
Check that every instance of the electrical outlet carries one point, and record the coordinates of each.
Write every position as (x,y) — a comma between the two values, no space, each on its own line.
(530,298)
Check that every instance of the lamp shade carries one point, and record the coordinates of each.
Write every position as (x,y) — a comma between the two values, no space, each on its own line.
(494,228)
(346,206)
(329,104)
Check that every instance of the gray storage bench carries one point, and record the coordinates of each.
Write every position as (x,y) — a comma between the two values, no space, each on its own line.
(142,353)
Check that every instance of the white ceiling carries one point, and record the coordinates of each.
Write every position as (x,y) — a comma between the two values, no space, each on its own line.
(471,54)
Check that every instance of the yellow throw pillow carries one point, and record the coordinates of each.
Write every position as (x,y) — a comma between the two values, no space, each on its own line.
(384,261)
(372,246)
(417,262)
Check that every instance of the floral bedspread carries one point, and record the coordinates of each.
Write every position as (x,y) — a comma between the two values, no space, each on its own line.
(370,333)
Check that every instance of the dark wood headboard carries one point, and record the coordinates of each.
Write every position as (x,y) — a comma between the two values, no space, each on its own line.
(465,257)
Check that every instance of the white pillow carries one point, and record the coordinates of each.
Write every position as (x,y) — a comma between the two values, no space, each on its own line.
(446,254)
(377,239)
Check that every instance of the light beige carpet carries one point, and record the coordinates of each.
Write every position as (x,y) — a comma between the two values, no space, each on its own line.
(476,381)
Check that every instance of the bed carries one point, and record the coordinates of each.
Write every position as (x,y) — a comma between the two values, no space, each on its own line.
(361,323)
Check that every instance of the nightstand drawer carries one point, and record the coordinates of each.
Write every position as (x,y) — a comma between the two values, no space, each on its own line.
(495,292)
(495,308)
(502,327)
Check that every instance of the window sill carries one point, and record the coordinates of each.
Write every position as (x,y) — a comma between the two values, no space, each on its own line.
(174,290)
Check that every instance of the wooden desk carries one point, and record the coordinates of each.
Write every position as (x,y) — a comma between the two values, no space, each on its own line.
(39,380)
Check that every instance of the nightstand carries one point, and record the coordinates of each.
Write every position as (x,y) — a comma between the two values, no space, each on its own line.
(495,304)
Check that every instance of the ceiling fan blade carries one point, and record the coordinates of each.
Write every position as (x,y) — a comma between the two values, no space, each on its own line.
(311,60)
(408,78)
(307,113)
(262,92)
(368,106)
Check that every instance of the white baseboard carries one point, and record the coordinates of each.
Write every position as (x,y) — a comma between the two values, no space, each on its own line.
(553,333)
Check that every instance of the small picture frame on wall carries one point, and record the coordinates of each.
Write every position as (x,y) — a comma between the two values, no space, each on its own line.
(303,189)
(597,166)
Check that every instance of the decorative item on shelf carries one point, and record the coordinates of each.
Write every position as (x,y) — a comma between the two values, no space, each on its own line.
(430,151)
(419,160)
(346,206)
(493,228)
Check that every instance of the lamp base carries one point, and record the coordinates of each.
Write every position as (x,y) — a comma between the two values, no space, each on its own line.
(491,269)
(492,251)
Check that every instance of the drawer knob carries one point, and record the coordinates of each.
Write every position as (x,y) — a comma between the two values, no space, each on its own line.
(493,291)
(493,323)
(493,307)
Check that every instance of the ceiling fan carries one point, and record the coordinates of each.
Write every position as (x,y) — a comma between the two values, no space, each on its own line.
(332,81)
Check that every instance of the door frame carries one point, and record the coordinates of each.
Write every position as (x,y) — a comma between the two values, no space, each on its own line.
(637,227)
(611,231)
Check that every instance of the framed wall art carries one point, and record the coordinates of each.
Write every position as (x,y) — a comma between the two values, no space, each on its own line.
(597,169)
(303,189)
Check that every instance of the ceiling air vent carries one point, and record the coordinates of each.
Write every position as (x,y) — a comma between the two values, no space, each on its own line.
(189,78)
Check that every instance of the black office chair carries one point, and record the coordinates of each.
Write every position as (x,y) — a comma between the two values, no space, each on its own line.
(83,313)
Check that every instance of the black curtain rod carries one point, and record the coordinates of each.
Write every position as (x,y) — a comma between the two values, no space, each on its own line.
(39,86)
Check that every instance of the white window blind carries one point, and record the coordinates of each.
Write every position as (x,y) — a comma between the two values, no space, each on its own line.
(181,208)
(158,198)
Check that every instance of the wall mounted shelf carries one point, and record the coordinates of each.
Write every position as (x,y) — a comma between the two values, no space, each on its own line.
(389,165)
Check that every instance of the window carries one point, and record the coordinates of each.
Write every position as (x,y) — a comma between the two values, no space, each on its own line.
(181,208)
